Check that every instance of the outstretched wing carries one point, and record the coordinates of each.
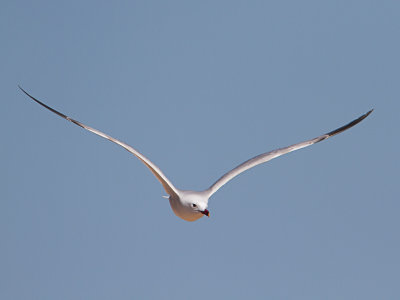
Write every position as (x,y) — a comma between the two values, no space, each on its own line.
(168,186)
(262,158)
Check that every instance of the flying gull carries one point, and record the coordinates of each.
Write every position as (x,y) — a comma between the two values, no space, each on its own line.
(192,205)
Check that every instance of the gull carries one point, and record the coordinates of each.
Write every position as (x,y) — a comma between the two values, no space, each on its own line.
(192,205)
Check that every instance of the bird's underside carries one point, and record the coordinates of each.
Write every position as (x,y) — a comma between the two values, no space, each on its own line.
(192,205)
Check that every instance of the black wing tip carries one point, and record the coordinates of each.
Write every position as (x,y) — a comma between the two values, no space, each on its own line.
(48,107)
(22,90)
(349,125)
(30,96)
(363,116)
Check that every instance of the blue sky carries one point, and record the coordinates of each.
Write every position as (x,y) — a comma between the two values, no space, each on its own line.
(199,87)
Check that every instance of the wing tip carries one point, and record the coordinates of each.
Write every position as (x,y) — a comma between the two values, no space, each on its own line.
(363,116)
(22,90)
(349,125)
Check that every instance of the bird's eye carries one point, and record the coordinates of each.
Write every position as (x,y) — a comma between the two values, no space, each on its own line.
(194,205)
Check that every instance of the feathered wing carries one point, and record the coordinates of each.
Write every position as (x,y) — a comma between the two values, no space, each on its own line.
(168,186)
(262,158)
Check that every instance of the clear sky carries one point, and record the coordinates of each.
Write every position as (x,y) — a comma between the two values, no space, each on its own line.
(199,87)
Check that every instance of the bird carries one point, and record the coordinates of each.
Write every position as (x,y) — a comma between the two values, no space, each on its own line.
(192,205)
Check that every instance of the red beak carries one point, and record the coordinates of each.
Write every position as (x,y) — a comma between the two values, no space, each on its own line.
(206,212)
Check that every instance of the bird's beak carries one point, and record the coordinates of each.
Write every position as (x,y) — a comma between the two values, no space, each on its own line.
(206,212)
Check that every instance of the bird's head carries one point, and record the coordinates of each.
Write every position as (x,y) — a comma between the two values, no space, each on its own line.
(190,205)
(199,207)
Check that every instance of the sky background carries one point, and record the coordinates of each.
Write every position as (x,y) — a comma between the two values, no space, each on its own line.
(199,87)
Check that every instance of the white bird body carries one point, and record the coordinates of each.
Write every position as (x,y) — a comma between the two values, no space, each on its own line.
(192,205)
